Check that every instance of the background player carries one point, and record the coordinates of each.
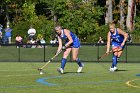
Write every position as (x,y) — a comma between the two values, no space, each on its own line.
(117,38)
(68,41)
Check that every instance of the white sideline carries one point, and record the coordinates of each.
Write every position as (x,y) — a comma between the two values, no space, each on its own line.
(19,75)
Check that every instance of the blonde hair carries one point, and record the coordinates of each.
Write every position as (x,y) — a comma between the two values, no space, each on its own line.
(112,24)
(57,27)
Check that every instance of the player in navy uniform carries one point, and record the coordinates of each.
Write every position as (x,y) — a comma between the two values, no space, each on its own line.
(117,39)
(71,43)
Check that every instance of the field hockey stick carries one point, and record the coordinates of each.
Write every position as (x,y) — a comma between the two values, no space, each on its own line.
(40,69)
(105,54)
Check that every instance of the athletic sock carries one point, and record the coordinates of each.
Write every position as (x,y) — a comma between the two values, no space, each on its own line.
(118,58)
(114,61)
(79,62)
(63,62)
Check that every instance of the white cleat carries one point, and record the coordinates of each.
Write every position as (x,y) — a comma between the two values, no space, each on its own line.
(80,68)
(111,70)
(60,70)
(115,68)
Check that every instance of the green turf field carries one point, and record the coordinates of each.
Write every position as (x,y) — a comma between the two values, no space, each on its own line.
(18,77)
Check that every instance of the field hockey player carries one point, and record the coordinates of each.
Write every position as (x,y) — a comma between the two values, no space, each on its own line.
(117,38)
(68,41)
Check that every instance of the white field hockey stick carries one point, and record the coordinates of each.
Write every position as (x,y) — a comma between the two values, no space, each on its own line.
(40,69)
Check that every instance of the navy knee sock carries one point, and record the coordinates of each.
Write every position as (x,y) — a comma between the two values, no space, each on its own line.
(63,62)
(79,62)
(118,59)
(114,61)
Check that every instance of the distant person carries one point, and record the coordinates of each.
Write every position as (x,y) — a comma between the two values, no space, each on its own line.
(117,39)
(33,42)
(31,33)
(100,40)
(1,27)
(53,42)
(19,40)
(0,33)
(8,34)
(129,38)
(28,45)
(42,42)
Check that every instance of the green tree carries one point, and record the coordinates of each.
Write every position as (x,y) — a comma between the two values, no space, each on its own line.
(83,17)
(80,17)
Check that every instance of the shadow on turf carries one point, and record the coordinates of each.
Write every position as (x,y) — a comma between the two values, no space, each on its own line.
(121,70)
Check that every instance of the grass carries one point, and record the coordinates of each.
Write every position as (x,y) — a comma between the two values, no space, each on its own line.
(21,77)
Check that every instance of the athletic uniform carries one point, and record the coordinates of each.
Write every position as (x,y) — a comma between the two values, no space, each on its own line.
(76,42)
(116,41)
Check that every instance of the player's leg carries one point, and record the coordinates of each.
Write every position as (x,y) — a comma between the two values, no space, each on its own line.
(120,51)
(117,54)
(114,57)
(64,60)
(75,52)
(115,61)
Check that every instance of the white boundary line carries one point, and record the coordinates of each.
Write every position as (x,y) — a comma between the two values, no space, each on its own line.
(19,75)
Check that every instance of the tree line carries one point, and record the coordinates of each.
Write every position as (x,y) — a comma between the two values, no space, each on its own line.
(87,18)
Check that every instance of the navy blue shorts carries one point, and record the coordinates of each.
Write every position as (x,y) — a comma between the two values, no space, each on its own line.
(116,44)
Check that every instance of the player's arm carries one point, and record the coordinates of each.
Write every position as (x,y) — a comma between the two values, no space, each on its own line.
(67,33)
(60,44)
(124,34)
(108,42)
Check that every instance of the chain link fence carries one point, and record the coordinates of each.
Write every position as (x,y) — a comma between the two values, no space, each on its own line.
(88,53)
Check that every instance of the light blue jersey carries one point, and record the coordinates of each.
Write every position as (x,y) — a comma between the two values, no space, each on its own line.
(76,42)
(117,39)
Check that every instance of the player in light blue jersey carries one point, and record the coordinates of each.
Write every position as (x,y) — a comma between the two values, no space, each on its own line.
(117,39)
(71,43)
